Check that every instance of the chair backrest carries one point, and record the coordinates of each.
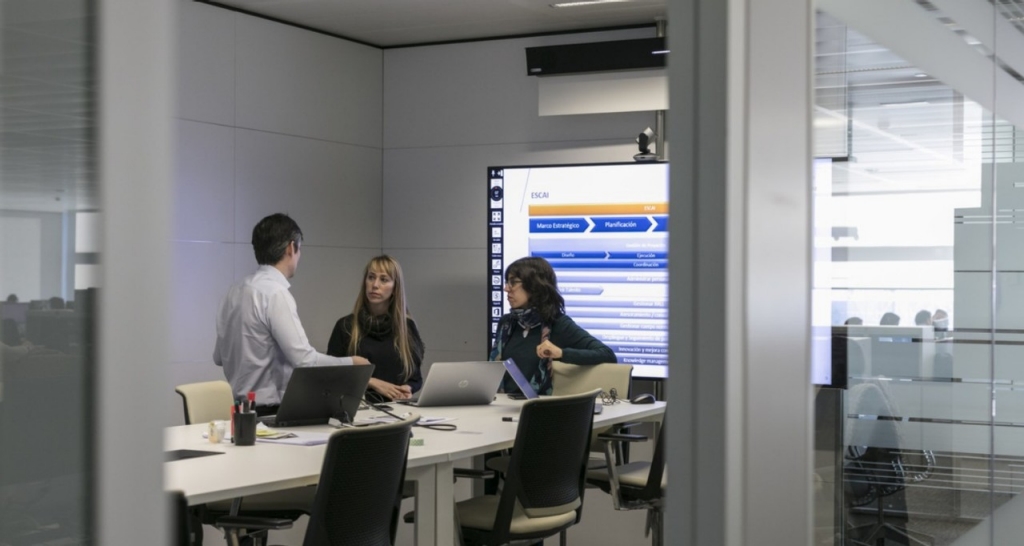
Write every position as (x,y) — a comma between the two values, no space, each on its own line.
(359,495)
(569,379)
(206,401)
(548,465)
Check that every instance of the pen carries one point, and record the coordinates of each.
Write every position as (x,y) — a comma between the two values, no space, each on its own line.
(510,419)
(251,399)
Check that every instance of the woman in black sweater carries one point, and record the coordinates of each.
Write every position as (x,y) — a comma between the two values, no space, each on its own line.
(537,330)
(381,330)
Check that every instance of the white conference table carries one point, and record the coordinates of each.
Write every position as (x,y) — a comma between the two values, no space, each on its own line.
(266,467)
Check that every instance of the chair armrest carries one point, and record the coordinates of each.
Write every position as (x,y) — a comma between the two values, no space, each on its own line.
(251,523)
(617,437)
(473,473)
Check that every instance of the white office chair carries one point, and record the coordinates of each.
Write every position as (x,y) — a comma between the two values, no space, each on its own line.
(206,401)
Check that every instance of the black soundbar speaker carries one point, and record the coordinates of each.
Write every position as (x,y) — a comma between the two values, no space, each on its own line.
(596,57)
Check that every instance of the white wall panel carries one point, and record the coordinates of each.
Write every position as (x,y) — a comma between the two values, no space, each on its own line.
(476,93)
(436,197)
(603,92)
(202,274)
(447,293)
(332,190)
(204,192)
(206,63)
(302,83)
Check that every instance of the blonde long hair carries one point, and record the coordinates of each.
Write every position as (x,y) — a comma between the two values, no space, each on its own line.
(386,265)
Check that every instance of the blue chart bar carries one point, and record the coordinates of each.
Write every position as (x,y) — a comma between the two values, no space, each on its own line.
(583,290)
(639,337)
(559,225)
(609,264)
(660,223)
(610,302)
(623,224)
(638,255)
(639,349)
(572,255)
(621,314)
(589,324)
(616,277)
(630,359)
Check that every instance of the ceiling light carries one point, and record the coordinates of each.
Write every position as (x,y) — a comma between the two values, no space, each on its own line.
(920,75)
(579,3)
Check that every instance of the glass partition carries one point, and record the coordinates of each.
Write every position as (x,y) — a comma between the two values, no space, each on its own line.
(925,281)
(48,262)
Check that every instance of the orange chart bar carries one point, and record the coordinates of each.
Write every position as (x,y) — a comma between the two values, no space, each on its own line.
(598,210)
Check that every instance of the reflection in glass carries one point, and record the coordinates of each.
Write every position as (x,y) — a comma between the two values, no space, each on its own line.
(47,182)
(924,281)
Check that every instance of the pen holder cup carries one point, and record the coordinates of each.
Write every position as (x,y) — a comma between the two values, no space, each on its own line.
(245,429)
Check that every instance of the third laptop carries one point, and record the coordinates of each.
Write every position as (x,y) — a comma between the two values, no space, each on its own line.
(459,384)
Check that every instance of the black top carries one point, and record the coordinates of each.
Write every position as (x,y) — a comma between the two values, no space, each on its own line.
(578,347)
(380,351)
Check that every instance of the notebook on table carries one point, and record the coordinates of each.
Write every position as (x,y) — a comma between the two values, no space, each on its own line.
(316,394)
(459,384)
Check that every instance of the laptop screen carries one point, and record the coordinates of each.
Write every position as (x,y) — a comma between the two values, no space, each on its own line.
(317,393)
(520,379)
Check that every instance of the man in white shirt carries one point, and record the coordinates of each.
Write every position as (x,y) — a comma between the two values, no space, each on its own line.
(260,339)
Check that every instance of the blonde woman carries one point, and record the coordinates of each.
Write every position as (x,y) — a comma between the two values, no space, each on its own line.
(381,330)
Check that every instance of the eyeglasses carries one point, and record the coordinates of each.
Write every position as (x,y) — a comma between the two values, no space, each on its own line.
(512,283)
(610,397)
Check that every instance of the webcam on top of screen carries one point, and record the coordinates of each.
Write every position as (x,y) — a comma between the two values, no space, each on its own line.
(644,144)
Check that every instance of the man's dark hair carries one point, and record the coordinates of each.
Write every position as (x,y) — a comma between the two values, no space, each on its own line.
(271,237)
(540,283)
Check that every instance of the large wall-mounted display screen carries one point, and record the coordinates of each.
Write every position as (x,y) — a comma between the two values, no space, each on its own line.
(604,229)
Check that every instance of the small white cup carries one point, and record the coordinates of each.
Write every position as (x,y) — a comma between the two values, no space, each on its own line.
(216,431)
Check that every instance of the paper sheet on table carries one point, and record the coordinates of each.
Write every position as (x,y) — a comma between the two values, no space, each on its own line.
(381,419)
(298,438)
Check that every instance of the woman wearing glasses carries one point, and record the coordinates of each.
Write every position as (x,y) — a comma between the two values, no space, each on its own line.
(381,330)
(538,331)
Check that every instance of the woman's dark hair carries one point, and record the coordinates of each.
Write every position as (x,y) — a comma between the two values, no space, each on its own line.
(540,283)
(271,237)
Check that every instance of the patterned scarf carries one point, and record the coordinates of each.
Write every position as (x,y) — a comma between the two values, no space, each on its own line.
(527,319)
(379,327)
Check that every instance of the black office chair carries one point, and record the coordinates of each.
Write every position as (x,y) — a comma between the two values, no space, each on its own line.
(638,485)
(359,494)
(876,469)
(543,492)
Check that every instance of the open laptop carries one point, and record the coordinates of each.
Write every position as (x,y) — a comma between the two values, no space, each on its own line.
(524,384)
(316,394)
(521,381)
(459,384)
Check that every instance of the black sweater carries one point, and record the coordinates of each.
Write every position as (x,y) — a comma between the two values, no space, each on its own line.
(381,352)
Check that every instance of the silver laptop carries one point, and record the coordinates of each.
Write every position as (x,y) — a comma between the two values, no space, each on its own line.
(459,384)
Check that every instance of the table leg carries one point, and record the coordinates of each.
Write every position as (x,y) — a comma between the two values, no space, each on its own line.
(426,480)
(435,504)
(444,502)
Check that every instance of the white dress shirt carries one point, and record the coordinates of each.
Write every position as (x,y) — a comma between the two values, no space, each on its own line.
(260,340)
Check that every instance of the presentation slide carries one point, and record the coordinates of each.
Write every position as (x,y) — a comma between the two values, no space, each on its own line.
(604,229)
